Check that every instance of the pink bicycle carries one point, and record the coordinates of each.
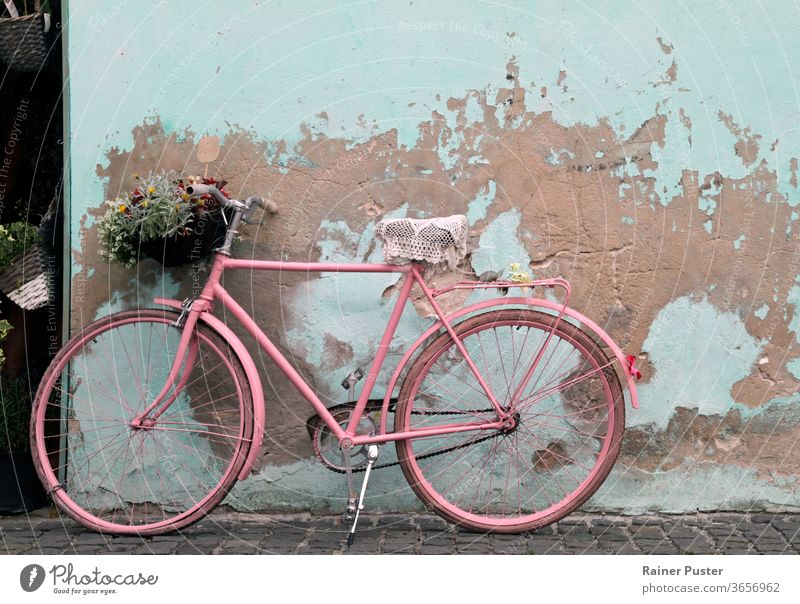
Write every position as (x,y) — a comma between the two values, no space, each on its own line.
(509,415)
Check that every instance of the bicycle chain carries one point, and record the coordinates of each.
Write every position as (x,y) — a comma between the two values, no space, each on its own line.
(432,453)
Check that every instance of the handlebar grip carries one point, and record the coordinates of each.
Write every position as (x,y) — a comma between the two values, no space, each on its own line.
(252,203)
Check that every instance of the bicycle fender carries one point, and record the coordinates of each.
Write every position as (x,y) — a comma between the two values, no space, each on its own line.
(627,365)
(251,372)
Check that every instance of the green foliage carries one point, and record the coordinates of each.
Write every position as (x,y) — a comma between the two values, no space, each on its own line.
(5,327)
(15,414)
(158,208)
(15,238)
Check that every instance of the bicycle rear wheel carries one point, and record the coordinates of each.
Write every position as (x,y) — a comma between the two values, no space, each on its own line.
(115,478)
(568,422)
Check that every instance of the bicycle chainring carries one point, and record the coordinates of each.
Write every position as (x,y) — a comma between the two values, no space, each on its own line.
(326,445)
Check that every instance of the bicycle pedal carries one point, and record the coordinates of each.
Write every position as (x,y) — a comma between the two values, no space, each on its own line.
(351,380)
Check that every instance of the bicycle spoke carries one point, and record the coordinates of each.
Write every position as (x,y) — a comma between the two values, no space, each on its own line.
(539,465)
(150,478)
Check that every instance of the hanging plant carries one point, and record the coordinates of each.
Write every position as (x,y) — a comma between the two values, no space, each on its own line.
(159,219)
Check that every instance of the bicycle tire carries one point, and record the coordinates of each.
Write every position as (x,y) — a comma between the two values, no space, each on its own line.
(181,467)
(553,449)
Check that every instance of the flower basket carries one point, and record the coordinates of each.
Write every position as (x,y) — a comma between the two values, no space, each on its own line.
(28,281)
(25,40)
(208,231)
(160,220)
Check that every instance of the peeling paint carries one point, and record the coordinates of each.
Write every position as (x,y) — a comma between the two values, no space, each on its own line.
(500,245)
(698,354)
(636,166)
(478,207)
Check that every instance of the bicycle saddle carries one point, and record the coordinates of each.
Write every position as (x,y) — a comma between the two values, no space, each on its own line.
(432,240)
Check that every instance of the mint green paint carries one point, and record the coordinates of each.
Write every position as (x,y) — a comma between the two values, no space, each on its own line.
(794,299)
(761,313)
(737,244)
(698,353)
(306,485)
(794,367)
(627,220)
(352,309)
(555,157)
(669,172)
(779,410)
(473,111)
(273,68)
(393,73)
(693,486)
(708,225)
(500,245)
(719,53)
(476,211)
(707,205)
(690,487)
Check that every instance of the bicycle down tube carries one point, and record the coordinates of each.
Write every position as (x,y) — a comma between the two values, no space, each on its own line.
(411,274)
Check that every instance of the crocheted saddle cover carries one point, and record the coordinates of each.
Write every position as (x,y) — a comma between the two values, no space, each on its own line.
(436,241)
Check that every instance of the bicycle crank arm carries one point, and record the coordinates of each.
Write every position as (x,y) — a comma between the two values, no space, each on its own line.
(350,513)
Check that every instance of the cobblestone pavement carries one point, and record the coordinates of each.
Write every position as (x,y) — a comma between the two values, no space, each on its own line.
(225,533)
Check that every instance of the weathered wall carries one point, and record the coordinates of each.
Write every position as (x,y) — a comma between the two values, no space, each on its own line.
(647,154)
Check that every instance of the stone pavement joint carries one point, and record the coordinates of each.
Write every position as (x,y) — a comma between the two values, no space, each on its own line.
(44,532)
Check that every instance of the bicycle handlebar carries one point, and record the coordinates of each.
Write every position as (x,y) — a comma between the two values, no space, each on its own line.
(198,190)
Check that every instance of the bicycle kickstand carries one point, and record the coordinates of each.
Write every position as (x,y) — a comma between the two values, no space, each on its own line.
(372,456)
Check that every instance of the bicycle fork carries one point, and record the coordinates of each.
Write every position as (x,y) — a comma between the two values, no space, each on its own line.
(185,357)
(354,507)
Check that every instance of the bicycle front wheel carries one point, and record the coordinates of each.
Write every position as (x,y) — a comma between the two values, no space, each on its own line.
(116,478)
(568,417)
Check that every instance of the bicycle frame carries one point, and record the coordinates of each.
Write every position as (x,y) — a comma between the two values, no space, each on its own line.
(201,308)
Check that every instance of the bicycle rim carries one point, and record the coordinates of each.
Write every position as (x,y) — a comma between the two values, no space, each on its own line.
(568,422)
(115,478)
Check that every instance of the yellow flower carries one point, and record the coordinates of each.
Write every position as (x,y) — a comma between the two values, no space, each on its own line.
(151,189)
(518,275)
(184,196)
(144,203)
(122,207)
(201,202)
